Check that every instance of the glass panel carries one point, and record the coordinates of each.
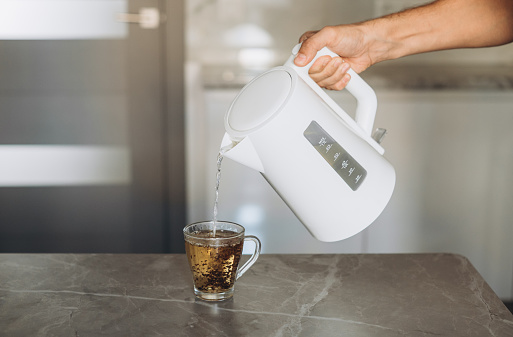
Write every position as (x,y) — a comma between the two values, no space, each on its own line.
(64,106)
(61,20)
(47,165)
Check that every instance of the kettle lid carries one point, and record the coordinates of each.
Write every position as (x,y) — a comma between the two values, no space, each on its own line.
(257,102)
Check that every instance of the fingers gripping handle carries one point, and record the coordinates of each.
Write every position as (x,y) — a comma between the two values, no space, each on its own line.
(365,96)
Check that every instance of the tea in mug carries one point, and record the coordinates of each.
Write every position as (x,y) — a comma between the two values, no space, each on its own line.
(214,266)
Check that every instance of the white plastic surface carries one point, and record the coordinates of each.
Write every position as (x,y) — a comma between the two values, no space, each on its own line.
(259,100)
(364,94)
(243,153)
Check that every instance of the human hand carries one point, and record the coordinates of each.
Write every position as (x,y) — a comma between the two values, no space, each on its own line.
(348,41)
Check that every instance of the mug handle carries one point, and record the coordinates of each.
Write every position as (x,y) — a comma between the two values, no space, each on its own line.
(253,257)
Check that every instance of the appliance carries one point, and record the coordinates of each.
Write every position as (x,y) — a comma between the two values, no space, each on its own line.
(327,167)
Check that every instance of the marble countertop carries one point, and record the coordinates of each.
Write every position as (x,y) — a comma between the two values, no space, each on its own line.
(281,295)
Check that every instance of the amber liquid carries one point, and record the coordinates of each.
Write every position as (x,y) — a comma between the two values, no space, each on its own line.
(214,267)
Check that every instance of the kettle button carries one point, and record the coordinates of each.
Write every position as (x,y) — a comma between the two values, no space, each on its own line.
(379,134)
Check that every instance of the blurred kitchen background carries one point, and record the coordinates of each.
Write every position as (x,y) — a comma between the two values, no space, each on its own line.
(109,130)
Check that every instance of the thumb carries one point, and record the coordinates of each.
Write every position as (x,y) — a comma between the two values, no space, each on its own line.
(309,49)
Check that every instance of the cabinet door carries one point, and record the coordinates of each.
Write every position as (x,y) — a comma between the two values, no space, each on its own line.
(84,127)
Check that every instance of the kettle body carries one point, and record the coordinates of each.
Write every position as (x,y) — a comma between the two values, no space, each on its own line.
(325,166)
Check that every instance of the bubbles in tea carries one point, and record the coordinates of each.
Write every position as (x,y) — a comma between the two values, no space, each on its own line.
(214,267)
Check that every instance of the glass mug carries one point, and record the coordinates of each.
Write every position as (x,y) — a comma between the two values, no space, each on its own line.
(214,260)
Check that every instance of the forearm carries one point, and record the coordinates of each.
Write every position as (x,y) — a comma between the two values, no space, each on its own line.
(444,24)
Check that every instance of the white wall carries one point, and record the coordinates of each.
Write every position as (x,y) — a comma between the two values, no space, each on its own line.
(217,31)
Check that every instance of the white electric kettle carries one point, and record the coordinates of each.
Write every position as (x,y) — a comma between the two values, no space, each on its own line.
(326,166)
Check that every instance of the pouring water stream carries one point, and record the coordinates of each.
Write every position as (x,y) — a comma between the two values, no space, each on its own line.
(222,151)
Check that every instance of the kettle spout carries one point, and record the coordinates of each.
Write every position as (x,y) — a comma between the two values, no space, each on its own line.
(243,152)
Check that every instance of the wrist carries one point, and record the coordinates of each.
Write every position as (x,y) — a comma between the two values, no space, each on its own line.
(380,42)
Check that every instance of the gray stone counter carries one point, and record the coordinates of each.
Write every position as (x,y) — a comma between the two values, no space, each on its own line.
(282,295)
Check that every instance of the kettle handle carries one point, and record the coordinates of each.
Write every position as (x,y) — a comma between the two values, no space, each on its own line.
(365,96)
